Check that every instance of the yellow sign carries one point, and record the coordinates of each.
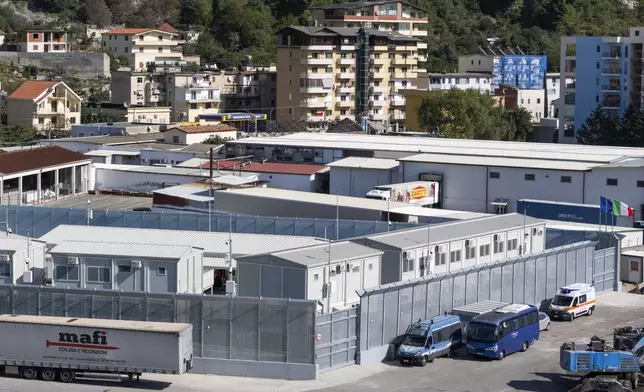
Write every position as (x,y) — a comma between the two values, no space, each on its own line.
(419,192)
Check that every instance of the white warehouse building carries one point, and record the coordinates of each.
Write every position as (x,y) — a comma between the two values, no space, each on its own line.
(475,175)
(22,260)
(303,272)
(448,247)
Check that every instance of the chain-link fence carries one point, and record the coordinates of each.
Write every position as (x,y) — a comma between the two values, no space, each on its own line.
(387,311)
(37,221)
(224,328)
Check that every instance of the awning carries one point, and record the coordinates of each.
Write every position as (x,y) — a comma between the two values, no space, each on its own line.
(500,202)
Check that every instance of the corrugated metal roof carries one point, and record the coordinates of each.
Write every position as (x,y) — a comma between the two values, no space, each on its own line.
(38,158)
(319,254)
(629,162)
(96,323)
(551,151)
(480,307)
(113,140)
(177,171)
(634,253)
(109,153)
(15,243)
(213,243)
(441,233)
(121,249)
(365,163)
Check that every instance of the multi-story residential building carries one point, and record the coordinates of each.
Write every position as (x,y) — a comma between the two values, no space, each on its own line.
(253,89)
(608,74)
(42,41)
(188,94)
(388,15)
(44,104)
(482,82)
(320,77)
(143,46)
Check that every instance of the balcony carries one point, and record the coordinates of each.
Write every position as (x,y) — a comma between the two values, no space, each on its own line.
(378,117)
(346,61)
(611,71)
(346,89)
(570,85)
(422,59)
(397,117)
(378,89)
(398,102)
(318,47)
(611,104)
(380,48)
(611,88)
(421,45)
(203,98)
(379,61)
(315,90)
(401,75)
(377,103)
(377,75)
(345,103)
(319,61)
(315,103)
(347,75)
(613,55)
(404,61)
(419,33)
(313,118)
(570,69)
(316,75)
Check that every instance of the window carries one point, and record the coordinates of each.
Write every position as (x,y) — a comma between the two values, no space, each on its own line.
(370,266)
(175,139)
(582,299)
(126,50)
(495,175)
(140,50)
(598,49)
(611,181)
(498,246)
(316,277)
(124,269)
(529,177)
(512,244)
(5,270)
(484,250)
(160,50)
(640,184)
(635,265)
(538,100)
(35,47)
(98,274)
(566,179)
(139,80)
(35,35)
(66,272)
(408,265)
(160,38)
(126,38)
(162,271)
(455,256)
(440,259)
(470,252)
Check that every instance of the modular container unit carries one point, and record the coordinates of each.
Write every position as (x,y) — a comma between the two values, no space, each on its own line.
(61,348)
(567,212)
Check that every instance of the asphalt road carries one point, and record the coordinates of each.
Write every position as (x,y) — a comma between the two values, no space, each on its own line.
(101,202)
(536,370)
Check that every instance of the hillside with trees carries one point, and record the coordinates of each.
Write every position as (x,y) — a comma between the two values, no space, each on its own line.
(234,29)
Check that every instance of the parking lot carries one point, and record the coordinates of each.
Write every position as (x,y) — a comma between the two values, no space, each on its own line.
(536,370)
(102,202)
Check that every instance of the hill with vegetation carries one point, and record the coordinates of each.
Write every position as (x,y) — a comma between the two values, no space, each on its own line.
(234,29)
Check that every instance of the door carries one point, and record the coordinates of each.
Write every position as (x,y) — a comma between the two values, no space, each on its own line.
(575,303)
(634,271)
(126,277)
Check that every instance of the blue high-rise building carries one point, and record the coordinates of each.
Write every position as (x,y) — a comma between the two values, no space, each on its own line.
(606,72)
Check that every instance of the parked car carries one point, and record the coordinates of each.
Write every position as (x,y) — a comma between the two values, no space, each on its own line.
(544,322)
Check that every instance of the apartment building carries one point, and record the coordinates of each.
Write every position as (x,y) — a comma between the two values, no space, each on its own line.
(143,46)
(189,94)
(609,76)
(482,82)
(42,41)
(392,16)
(253,89)
(44,104)
(323,73)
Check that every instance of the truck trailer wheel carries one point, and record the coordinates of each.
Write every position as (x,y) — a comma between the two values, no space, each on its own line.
(66,375)
(29,373)
(48,374)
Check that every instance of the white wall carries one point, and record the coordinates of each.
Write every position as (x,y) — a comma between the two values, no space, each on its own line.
(149,157)
(534,242)
(179,137)
(464,187)
(357,182)
(295,182)
(136,181)
(532,101)
(625,191)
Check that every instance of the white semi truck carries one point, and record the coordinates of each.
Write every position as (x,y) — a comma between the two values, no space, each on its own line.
(62,348)
(424,193)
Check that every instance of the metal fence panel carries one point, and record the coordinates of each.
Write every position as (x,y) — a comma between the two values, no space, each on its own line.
(252,329)
(37,221)
(532,279)
(336,339)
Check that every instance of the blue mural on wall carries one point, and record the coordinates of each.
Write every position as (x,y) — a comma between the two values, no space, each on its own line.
(523,71)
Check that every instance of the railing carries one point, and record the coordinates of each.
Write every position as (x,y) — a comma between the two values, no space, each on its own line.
(613,71)
(612,87)
(571,69)
(611,55)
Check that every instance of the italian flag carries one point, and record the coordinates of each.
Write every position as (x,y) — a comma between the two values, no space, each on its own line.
(621,209)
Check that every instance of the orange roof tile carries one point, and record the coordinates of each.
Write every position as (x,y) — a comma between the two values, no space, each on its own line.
(167,27)
(127,31)
(265,167)
(205,128)
(32,89)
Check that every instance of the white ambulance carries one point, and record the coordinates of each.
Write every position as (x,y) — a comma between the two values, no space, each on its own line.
(572,301)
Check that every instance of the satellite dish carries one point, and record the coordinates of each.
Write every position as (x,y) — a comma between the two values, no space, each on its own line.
(126,104)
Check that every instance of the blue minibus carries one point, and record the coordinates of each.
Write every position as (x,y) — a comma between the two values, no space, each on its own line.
(503,331)
(429,339)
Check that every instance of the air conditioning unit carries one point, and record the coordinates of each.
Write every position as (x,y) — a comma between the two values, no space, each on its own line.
(136,264)
(499,237)
(470,243)
(5,258)
(72,261)
(536,231)
(28,277)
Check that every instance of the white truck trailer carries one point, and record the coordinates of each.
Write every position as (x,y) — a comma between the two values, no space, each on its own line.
(61,348)
(424,193)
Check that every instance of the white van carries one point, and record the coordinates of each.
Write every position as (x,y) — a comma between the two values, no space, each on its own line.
(573,301)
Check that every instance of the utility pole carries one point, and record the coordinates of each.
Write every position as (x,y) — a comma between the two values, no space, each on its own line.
(427,263)
(523,235)
(230,283)
(89,211)
(328,276)
(337,215)
(210,192)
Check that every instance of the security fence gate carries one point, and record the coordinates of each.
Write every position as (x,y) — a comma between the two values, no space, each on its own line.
(605,265)
(336,339)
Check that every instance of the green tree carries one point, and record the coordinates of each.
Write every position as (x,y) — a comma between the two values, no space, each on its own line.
(97,13)
(597,129)
(196,12)
(630,129)
(521,121)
